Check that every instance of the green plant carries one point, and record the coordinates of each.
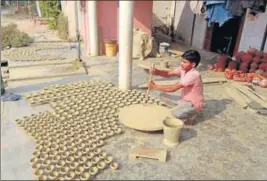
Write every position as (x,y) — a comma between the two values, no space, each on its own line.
(11,36)
(62,27)
(50,9)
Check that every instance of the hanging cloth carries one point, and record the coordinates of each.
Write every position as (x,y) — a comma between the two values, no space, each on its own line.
(216,12)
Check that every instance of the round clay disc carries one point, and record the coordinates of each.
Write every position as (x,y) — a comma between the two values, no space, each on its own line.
(144,117)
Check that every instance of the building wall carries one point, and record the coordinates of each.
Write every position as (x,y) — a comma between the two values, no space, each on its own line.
(161,11)
(253,32)
(183,23)
(108,19)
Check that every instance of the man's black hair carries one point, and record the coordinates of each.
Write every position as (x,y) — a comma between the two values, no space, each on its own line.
(192,56)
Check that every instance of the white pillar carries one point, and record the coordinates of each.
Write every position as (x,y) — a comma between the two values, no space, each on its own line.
(93,32)
(125,44)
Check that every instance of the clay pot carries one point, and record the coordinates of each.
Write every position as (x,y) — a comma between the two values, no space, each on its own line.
(43,156)
(252,70)
(82,159)
(263,66)
(53,153)
(49,168)
(93,170)
(46,163)
(252,51)
(64,170)
(264,60)
(78,154)
(108,159)
(70,159)
(90,155)
(232,65)
(259,54)
(254,65)
(95,160)
(60,164)
(74,165)
(101,165)
(42,177)
(36,166)
(114,166)
(264,74)
(38,173)
(70,175)
(79,170)
(87,165)
(246,58)
(239,55)
(102,155)
(97,151)
(256,60)
(33,160)
(85,176)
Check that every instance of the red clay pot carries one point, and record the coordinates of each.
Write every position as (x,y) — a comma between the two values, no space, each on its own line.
(264,60)
(256,59)
(259,54)
(252,70)
(238,55)
(264,74)
(264,55)
(263,66)
(232,65)
(243,65)
(244,70)
(252,51)
(254,65)
(246,58)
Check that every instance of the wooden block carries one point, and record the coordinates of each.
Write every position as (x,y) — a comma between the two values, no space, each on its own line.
(152,153)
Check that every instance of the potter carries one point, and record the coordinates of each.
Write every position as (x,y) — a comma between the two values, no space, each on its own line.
(191,85)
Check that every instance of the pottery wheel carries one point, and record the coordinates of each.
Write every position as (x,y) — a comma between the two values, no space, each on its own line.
(145,117)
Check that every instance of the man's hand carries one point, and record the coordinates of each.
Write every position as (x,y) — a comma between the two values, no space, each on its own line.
(151,85)
(153,71)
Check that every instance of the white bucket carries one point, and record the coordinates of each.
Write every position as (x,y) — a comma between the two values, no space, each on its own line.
(163,47)
(172,130)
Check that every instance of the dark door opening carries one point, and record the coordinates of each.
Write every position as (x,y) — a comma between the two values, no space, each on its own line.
(224,38)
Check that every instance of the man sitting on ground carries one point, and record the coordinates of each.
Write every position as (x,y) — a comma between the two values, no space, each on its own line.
(191,98)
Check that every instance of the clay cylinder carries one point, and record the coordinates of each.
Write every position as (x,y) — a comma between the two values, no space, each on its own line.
(246,58)
(171,130)
(232,65)
(252,51)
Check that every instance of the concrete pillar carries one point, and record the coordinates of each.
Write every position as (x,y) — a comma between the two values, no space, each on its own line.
(126,10)
(93,32)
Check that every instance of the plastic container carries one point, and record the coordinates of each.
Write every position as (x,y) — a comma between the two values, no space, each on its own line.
(111,47)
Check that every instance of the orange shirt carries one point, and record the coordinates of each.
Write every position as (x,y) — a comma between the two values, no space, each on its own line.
(193,87)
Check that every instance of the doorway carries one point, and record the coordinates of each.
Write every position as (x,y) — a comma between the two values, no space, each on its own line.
(224,39)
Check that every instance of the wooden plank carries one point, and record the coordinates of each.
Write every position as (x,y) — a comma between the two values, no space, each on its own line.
(245,90)
(152,153)
(232,92)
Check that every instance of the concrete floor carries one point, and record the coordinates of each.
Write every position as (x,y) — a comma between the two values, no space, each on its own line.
(226,143)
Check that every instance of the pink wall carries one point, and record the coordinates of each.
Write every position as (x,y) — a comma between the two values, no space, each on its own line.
(143,15)
(108,18)
(107,21)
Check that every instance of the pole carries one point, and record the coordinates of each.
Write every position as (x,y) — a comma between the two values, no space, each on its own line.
(193,28)
(125,44)
(264,39)
(77,32)
(93,30)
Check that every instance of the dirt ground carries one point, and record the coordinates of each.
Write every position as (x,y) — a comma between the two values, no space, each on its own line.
(227,142)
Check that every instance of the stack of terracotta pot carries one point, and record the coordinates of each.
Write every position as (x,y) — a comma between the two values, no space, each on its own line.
(244,66)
